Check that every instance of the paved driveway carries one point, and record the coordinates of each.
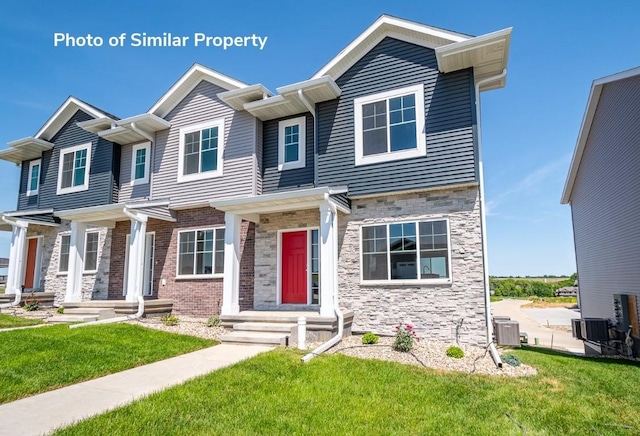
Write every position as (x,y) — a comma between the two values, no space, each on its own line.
(539,323)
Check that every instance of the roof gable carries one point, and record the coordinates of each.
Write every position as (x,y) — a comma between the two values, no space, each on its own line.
(189,80)
(585,127)
(64,114)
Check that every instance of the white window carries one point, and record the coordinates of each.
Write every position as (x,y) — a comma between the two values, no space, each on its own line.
(90,252)
(291,143)
(33,181)
(140,155)
(406,252)
(201,253)
(390,126)
(63,260)
(74,169)
(201,149)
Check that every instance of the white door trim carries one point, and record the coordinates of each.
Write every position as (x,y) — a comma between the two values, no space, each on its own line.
(279,261)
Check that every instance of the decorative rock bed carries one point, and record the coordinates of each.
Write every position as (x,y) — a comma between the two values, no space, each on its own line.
(186,326)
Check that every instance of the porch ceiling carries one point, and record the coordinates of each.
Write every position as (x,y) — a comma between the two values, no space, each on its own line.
(280,202)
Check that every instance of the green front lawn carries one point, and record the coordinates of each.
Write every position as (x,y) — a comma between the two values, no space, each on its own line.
(7,321)
(42,359)
(274,393)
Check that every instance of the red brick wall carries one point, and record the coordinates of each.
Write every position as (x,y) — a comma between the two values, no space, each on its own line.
(193,297)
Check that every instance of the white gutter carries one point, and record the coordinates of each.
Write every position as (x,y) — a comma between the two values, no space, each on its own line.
(141,132)
(16,289)
(483,226)
(136,315)
(338,337)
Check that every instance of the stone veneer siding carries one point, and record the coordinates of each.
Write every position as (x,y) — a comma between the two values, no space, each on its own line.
(201,297)
(434,310)
(94,285)
(266,267)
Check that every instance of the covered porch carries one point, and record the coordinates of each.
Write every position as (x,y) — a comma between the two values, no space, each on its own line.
(138,252)
(296,251)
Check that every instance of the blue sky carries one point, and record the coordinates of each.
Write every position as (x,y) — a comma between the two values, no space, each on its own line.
(529,127)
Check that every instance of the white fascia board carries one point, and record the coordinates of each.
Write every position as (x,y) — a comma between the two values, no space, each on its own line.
(234,93)
(19,213)
(78,214)
(618,76)
(271,101)
(68,108)
(311,83)
(236,202)
(476,42)
(181,88)
(368,39)
(585,127)
(45,145)
(161,123)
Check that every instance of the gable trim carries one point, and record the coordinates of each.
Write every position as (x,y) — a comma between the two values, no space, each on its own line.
(64,114)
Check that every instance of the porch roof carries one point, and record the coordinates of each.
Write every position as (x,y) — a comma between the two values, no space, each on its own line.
(281,201)
(116,212)
(42,217)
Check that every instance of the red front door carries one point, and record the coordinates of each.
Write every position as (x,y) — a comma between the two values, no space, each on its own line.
(294,267)
(30,268)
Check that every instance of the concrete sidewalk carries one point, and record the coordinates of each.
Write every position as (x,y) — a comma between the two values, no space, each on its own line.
(45,412)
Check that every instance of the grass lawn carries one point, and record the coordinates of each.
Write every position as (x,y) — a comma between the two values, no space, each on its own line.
(274,393)
(7,321)
(42,359)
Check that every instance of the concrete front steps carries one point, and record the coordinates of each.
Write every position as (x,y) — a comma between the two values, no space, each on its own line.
(280,327)
(82,315)
(44,298)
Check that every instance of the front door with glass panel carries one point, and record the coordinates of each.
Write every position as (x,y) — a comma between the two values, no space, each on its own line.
(147,277)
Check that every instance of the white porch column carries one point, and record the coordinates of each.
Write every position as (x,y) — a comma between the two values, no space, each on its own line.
(231,282)
(135,269)
(16,256)
(328,258)
(76,262)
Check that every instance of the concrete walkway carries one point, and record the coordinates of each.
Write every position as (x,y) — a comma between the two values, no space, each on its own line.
(539,323)
(43,413)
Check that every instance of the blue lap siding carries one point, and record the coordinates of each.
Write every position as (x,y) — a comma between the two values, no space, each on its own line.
(103,177)
(449,118)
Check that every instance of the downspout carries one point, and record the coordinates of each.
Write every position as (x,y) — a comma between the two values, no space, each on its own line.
(312,109)
(483,227)
(17,289)
(338,337)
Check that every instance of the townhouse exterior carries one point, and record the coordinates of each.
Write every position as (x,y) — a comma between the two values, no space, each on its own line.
(600,190)
(360,187)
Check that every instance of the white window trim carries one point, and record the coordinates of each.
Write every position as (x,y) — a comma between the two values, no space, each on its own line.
(144,180)
(221,140)
(198,276)
(32,164)
(87,169)
(86,241)
(421,150)
(302,142)
(63,273)
(389,282)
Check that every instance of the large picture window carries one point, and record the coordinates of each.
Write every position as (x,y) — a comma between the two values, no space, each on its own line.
(407,251)
(73,171)
(201,151)
(390,125)
(201,252)
(90,252)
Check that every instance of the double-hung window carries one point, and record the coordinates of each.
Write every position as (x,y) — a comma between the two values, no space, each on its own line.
(291,143)
(90,252)
(201,151)
(406,251)
(201,252)
(390,126)
(74,169)
(33,178)
(140,155)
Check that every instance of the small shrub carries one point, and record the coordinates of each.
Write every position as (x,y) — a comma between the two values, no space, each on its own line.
(31,304)
(60,310)
(213,321)
(169,320)
(370,338)
(405,336)
(510,359)
(455,352)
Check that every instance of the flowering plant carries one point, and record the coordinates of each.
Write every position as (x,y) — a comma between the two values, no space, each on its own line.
(405,336)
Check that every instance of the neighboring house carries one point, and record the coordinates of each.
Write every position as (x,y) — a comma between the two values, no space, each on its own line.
(602,188)
(362,184)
